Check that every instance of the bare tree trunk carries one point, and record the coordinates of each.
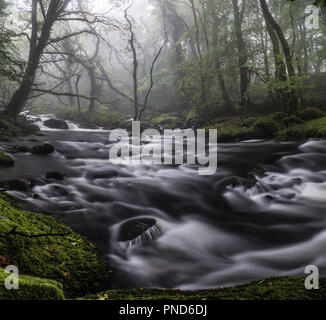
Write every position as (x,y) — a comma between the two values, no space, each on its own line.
(135,64)
(77,91)
(243,55)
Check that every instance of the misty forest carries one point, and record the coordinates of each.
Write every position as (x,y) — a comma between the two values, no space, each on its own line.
(76,225)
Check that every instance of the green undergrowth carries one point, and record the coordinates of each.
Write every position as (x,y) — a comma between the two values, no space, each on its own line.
(71,260)
(31,288)
(102,117)
(276,288)
(310,123)
(10,128)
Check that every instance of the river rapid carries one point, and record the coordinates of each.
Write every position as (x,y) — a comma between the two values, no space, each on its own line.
(262,214)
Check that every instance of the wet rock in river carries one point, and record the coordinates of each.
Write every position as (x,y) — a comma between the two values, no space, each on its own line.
(6,159)
(133,229)
(55,176)
(44,149)
(56,124)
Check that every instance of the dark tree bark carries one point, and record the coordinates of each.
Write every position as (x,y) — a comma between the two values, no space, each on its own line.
(290,96)
(243,55)
(37,46)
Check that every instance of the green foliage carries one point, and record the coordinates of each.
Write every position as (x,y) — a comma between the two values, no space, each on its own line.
(31,288)
(276,288)
(102,117)
(249,121)
(277,116)
(10,66)
(291,120)
(265,128)
(168,120)
(311,114)
(311,129)
(71,260)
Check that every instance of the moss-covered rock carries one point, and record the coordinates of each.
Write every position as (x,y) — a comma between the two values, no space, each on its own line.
(310,129)
(277,116)
(265,128)
(288,121)
(168,120)
(249,121)
(71,260)
(6,159)
(311,114)
(276,288)
(31,288)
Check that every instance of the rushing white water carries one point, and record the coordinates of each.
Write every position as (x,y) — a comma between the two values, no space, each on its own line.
(262,214)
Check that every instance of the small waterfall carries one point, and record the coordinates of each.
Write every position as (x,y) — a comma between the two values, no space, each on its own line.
(150,234)
(72,126)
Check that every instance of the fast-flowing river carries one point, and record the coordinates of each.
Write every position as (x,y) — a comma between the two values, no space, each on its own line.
(262,214)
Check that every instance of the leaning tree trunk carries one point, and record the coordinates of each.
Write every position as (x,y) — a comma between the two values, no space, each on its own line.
(37,46)
(291,96)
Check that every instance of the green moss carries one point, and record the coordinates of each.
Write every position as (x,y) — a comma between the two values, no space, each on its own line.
(6,159)
(250,121)
(168,120)
(311,114)
(71,260)
(192,118)
(310,129)
(276,288)
(102,117)
(265,128)
(291,120)
(31,288)
(277,116)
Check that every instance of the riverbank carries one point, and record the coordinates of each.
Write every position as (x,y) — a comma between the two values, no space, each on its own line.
(42,247)
(276,288)
(309,123)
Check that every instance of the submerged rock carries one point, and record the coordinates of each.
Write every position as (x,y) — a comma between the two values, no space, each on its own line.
(44,149)
(55,176)
(56,124)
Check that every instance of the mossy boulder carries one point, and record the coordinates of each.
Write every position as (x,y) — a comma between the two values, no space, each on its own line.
(56,124)
(44,149)
(31,288)
(277,116)
(265,128)
(193,118)
(168,120)
(249,121)
(309,129)
(288,121)
(6,159)
(71,260)
(311,114)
